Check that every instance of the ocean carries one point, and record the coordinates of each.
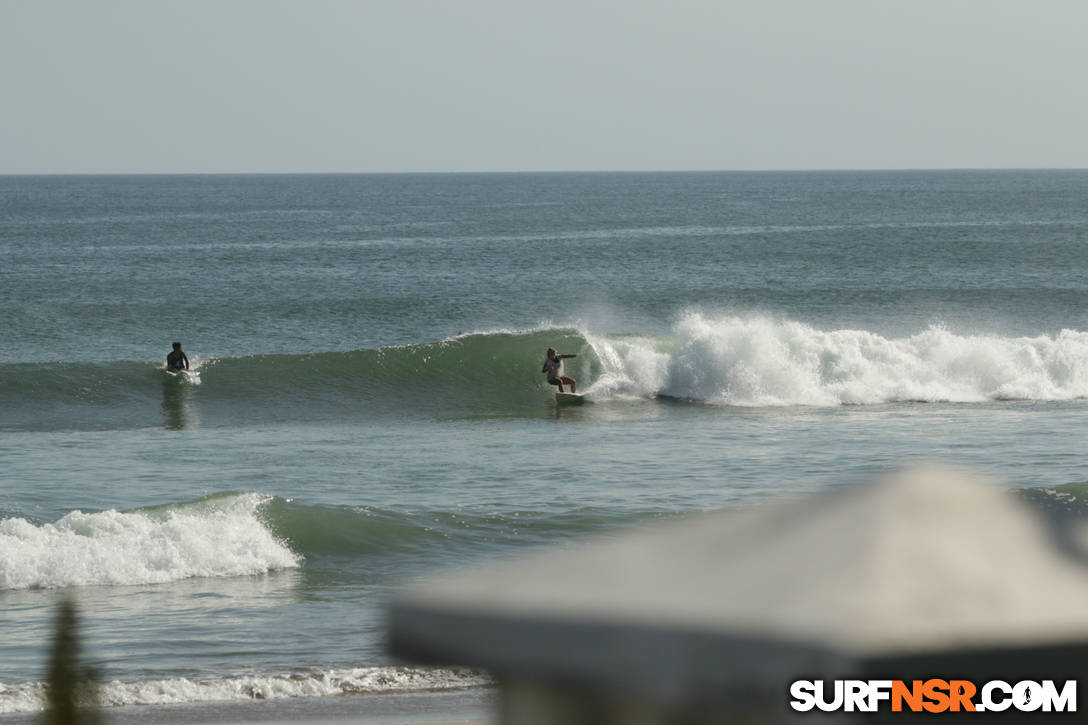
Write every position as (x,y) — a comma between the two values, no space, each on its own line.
(369,408)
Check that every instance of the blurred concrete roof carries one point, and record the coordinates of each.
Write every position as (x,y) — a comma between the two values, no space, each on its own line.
(928,560)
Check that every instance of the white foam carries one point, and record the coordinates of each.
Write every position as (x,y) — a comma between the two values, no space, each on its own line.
(631,367)
(757,361)
(30,697)
(214,538)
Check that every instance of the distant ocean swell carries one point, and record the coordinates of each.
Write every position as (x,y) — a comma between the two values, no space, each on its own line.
(243,534)
(30,697)
(724,360)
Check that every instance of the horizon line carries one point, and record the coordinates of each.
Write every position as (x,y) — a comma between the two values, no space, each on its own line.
(547,172)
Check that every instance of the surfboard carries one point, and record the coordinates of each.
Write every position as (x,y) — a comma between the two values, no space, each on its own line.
(569,398)
(189,376)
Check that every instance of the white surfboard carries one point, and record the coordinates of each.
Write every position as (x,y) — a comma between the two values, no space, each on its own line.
(189,376)
(569,398)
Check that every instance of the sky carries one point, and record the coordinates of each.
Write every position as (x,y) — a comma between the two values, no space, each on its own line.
(262,86)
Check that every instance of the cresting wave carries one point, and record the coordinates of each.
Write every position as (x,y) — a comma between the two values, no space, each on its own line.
(723,360)
(30,697)
(219,536)
(244,534)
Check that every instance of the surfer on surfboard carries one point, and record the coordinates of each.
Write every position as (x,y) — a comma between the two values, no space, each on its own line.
(553,366)
(177,359)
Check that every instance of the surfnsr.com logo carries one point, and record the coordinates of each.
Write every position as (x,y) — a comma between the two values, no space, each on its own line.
(933,696)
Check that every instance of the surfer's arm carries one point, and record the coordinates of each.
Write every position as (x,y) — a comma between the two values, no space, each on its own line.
(569,355)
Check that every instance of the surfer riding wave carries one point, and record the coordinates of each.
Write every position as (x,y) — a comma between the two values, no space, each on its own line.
(553,366)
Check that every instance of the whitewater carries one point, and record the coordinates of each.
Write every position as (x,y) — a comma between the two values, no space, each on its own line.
(207,539)
(764,362)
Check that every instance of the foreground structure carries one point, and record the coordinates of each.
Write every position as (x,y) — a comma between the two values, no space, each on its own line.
(929,575)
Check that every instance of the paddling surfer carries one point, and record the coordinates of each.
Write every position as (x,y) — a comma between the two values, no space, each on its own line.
(553,366)
(177,359)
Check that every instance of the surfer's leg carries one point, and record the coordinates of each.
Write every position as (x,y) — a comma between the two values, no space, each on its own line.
(569,381)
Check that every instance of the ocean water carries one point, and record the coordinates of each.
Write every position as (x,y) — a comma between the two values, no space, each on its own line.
(369,406)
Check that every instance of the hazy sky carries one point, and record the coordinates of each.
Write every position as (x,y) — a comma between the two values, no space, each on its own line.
(507,85)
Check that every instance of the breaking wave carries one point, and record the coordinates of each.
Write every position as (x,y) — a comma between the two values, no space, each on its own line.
(747,361)
(245,534)
(754,361)
(219,536)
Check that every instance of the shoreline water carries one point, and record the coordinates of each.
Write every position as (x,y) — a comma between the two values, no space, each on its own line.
(475,705)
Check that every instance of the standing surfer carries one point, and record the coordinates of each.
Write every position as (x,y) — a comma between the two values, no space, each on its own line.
(177,359)
(553,366)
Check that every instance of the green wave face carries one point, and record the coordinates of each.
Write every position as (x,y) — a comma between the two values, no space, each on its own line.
(239,534)
(726,361)
(1070,499)
(318,532)
(476,374)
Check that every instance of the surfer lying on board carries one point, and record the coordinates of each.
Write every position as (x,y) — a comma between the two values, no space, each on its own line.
(177,359)
(553,366)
